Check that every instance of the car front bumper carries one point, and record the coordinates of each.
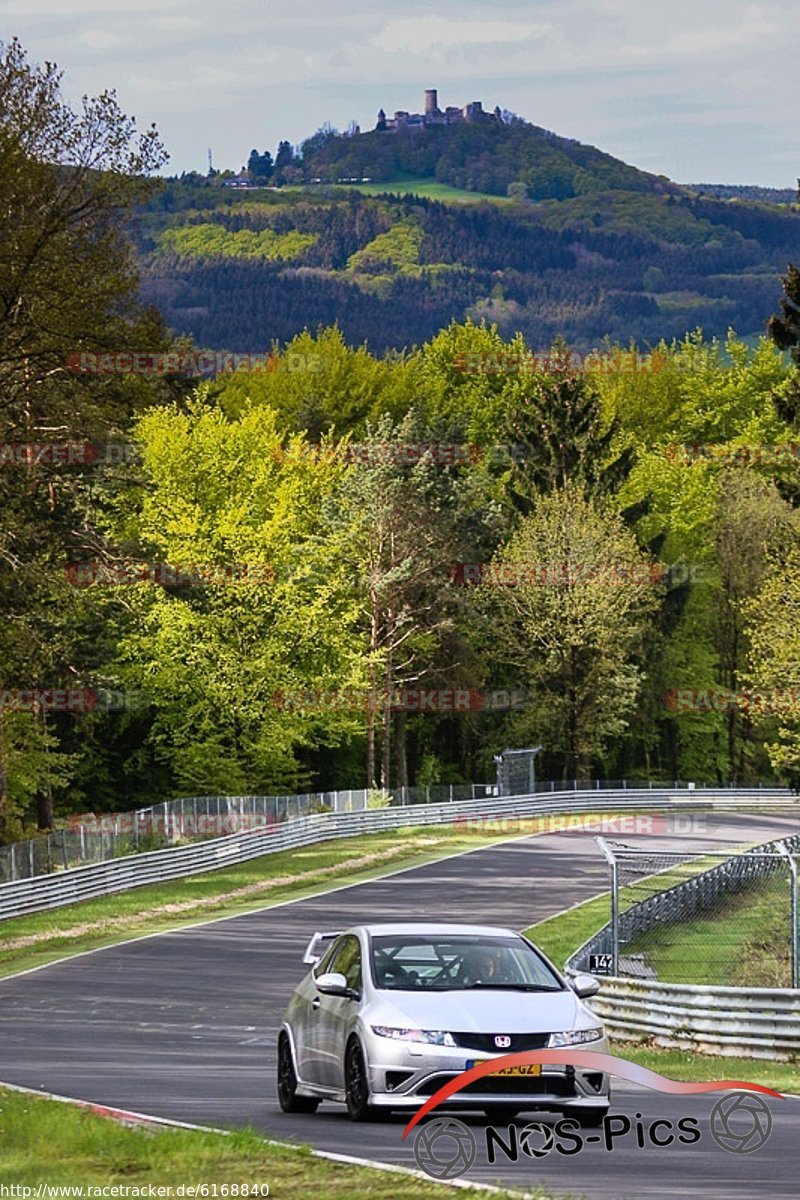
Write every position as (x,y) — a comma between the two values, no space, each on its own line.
(405,1075)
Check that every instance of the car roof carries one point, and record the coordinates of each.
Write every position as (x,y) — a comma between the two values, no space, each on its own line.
(438,928)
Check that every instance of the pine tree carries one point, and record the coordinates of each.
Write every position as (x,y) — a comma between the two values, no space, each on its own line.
(785,333)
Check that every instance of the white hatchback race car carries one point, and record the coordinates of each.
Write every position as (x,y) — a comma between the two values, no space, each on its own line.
(390,1013)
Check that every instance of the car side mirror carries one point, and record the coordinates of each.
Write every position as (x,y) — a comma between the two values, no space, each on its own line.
(331,983)
(584,986)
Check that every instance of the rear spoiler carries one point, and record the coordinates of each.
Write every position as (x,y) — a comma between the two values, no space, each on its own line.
(318,945)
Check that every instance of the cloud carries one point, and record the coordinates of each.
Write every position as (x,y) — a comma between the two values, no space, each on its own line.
(615,73)
(176,24)
(415,35)
(99,39)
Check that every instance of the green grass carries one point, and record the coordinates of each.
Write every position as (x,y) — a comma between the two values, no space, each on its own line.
(744,942)
(44,1141)
(428,188)
(561,935)
(700,1068)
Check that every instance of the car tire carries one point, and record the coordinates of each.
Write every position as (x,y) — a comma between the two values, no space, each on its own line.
(501,1112)
(288,1098)
(590,1118)
(356,1083)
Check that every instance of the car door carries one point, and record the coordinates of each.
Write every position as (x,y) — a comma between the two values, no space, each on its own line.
(307,1021)
(335,1013)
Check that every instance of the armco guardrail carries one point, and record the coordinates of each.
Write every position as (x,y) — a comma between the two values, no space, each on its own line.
(753,1022)
(101,879)
(91,837)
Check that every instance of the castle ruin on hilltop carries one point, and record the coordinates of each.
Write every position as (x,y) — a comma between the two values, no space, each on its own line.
(433,115)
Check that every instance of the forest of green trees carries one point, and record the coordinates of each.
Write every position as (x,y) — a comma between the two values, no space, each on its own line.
(485,156)
(239,270)
(328,568)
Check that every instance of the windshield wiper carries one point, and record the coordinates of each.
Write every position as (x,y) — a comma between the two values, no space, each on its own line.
(516,987)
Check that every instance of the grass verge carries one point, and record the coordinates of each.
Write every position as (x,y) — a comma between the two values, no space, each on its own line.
(694,1067)
(561,935)
(744,942)
(56,1144)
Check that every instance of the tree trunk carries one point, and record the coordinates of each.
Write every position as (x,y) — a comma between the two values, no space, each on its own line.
(400,749)
(3,784)
(44,810)
(386,745)
(373,698)
(672,747)
(44,799)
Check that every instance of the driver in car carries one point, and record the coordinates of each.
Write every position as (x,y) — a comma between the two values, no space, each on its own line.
(484,965)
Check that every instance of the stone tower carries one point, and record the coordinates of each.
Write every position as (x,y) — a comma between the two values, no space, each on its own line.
(431,102)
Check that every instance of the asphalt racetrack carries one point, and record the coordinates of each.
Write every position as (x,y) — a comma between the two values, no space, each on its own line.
(183,1025)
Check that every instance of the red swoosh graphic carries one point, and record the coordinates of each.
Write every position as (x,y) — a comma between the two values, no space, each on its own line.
(608,1063)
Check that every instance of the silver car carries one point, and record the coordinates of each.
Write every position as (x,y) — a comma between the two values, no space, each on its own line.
(389,1013)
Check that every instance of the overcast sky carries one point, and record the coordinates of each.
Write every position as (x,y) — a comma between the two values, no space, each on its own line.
(700,90)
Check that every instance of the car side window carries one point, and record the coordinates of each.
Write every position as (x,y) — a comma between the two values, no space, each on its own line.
(324,964)
(347,961)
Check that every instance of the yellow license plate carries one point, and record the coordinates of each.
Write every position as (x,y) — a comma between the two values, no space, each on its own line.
(526,1069)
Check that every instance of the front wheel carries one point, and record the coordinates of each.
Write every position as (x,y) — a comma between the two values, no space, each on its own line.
(288,1098)
(501,1112)
(590,1118)
(356,1084)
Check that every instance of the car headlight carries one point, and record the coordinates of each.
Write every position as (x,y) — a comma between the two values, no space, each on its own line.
(574,1037)
(433,1037)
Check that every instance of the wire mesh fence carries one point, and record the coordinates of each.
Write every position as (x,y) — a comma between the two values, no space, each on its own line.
(92,838)
(702,917)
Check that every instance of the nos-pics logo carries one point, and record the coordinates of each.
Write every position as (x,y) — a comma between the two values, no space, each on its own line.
(446,1148)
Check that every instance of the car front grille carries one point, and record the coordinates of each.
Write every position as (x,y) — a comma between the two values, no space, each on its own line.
(507,1085)
(486,1042)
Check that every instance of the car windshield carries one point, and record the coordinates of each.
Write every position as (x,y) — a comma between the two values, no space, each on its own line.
(413,961)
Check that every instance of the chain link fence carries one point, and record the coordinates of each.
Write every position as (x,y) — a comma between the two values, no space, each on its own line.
(701,917)
(92,838)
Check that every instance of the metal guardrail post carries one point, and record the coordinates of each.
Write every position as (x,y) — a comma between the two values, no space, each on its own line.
(795,933)
(610,858)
